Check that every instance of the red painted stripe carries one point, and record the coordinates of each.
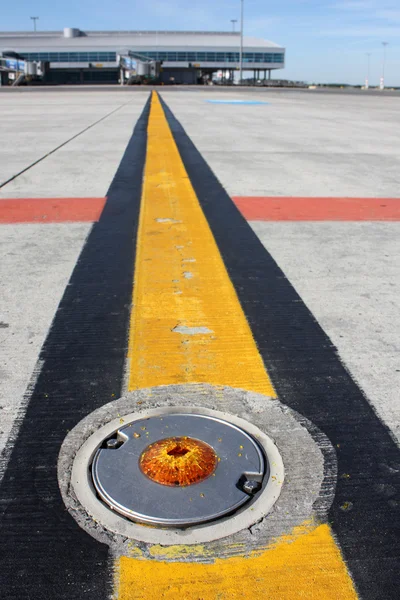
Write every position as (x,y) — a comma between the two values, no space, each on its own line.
(318,209)
(50,210)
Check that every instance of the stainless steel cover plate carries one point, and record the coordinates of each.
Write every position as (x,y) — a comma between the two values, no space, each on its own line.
(120,482)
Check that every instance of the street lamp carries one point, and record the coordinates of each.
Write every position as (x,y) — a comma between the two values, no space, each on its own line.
(382,86)
(34,19)
(368,69)
(233,21)
(241,43)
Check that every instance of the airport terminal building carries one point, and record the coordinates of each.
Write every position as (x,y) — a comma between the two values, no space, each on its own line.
(75,56)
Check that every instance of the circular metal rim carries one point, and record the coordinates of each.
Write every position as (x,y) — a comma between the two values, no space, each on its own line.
(138,517)
(246,517)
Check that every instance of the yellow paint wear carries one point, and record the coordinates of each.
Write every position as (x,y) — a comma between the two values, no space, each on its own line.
(298,567)
(187,326)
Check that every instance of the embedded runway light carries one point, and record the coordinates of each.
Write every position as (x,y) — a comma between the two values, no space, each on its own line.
(193,474)
(151,473)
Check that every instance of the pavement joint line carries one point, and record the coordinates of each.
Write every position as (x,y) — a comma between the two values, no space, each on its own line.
(10,179)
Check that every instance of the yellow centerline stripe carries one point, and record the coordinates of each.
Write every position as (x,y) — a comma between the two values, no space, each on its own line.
(187,326)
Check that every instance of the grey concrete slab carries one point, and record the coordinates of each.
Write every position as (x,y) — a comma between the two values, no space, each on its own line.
(33,126)
(299,144)
(307,174)
(36,262)
(348,274)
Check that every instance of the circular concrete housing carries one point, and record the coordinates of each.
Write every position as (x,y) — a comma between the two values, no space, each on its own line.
(297,483)
(115,521)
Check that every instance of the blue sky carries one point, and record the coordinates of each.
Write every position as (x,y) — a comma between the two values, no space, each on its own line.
(326,40)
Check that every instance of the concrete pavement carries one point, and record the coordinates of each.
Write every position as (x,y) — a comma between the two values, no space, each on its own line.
(305,290)
(92,130)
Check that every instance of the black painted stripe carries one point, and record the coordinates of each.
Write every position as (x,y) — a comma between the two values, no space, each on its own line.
(309,376)
(43,552)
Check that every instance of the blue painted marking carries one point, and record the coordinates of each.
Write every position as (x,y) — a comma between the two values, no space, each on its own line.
(236,102)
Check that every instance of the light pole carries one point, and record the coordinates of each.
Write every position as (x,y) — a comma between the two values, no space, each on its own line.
(382,86)
(241,43)
(34,19)
(368,69)
(233,21)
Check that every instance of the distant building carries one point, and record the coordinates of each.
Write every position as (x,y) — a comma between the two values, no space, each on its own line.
(75,56)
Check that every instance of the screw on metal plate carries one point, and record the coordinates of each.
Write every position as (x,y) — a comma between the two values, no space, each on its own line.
(115,442)
(250,483)
(251,487)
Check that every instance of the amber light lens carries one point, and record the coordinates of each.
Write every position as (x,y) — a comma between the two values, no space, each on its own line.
(178,461)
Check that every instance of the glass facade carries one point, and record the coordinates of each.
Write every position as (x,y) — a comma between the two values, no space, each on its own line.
(97,57)
(193,57)
(217,57)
